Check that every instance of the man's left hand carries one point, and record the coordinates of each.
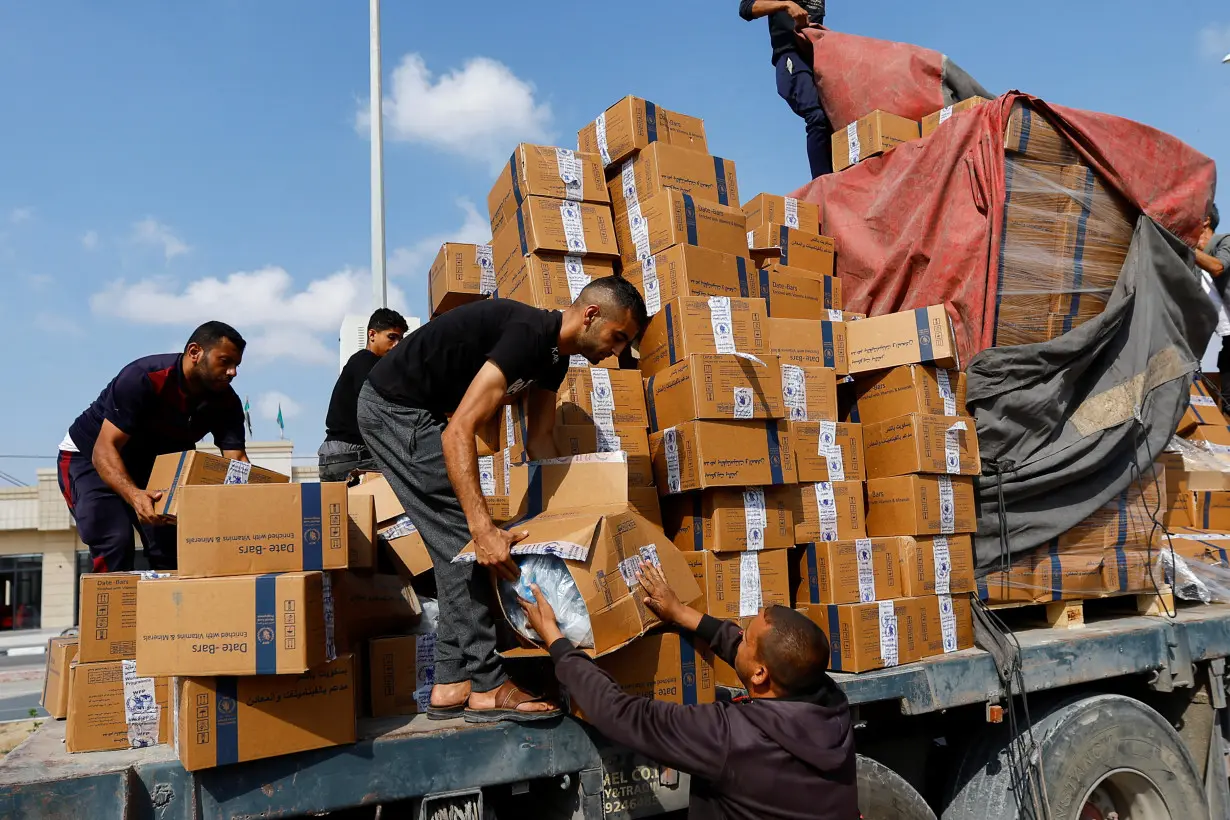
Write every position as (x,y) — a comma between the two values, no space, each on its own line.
(541,616)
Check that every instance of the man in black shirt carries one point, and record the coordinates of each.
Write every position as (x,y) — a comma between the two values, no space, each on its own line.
(792,60)
(343,452)
(469,363)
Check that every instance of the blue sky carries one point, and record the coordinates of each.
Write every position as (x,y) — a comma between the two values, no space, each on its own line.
(165,163)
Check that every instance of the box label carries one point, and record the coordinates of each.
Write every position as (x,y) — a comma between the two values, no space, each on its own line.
(141,710)
(722,324)
(946,392)
(945,114)
(743,403)
(670,443)
(948,508)
(507,472)
(237,472)
(888,633)
(866,571)
(794,391)
(602,399)
(649,281)
(836,316)
(570,174)
(486,268)
(948,624)
(856,149)
(636,222)
(1203,401)
(750,597)
(942,559)
(510,438)
(952,448)
(574,272)
(600,128)
(574,228)
(826,506)
(755,517)
(751,239)
(486,474)
(831,451)
(792,213)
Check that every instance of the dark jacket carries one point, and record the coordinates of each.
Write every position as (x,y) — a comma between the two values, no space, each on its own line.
(761,759)
(783,36)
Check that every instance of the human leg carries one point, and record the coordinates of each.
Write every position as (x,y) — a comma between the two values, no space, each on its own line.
(105,521)
(796,84)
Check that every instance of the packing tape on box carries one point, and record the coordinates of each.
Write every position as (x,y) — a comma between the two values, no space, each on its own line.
(856,148)
(756,519)
(948,509)
(750,597)
(629,567)
(424,669)
(946,392)
(651,286)
(831,450)
(952,447)
(486,474)
(574,272)
(574,228)
(326,589)
(836,316)
(670,443)
(794,392)
(866,570)
(141,710)
(888,633)
(744,405)
(723,329)
(507,472)
(600,129)
(602,400)
(826,506)
(942,558)
(401,527)
(948,623)
(791,219)
(237,472)
(510,437)
(1203,401)
(945,114)
(570,174)
(751,239)
(486,266)
(637,225)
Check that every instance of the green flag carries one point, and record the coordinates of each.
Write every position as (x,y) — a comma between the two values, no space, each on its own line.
(247,414)
(281,424)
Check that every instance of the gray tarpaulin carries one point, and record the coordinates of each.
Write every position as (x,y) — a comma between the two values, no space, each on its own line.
(1064,426)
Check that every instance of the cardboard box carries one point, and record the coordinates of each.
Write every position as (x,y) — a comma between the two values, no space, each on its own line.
(827,451)
(371,605)
(911,388)
(461,273)
(632,439)
(633,123)
(1197,473)
(940,624)
(828,511)
(936,564)
(921,505)
(361,531)
(554,227)
(407,545)
(830,285)
(871,136)
(108,616)
(1200,545)
(1061,576)
(934,121)
(714,386)
(737,586)
(715,324)
(848,572)
(233,720)
(921,336)
(581,515)
(863,637)
(243,625)
(698,455)
(809,393)
(400,674)
(808,343)
(550,281)
(61,652)
(668,667)
(1201,409)
(766,209)
(1129,570)
(1212,510)
(109,708)
(920,443)
(661,165)
(794,248)
(688,270)
(590,393)
(743,519)
(675,218)
(546,171)
(174,471)
(260,529)
(789,295)
(1030,135)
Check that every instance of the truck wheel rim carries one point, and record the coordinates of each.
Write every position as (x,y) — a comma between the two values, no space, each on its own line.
(1124,794)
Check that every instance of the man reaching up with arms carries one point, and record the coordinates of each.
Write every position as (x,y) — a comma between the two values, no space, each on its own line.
(785,754)
(469,363)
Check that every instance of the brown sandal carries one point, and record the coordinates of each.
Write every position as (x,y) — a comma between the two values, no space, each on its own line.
(507,700)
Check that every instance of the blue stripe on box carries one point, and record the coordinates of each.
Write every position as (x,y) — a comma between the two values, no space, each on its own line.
(854,417)
(651,121)
(764,291)
(828,293)
(1078,258)
(525,248)
(670,333)
(179,469)
(313,527)
(1121,542)
(226,720)
(516,186)
(1027,117)
(1221,552)
(689,218)
(1208,508)
(984,592)
(651,406)
(266,633)
(999,275)
(813,574)
(719,172)
(698,514)
(828,354)
(775,452)
(687,658)
(1056,571)
(533,500)
(926,352)
(742,266)
(834,638)
(783,240)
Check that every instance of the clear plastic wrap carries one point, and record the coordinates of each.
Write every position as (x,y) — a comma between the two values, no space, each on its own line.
(1194,580)
(556,583)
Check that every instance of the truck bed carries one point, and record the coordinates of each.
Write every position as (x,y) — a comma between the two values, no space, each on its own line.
(400,758)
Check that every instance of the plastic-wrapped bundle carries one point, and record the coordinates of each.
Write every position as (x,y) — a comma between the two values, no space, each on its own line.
(556,583)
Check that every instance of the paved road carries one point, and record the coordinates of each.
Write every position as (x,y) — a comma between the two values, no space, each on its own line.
(11,662)
(18,707)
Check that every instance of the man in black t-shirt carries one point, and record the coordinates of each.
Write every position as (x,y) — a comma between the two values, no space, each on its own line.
(469,363)
(342,452)
(792,60)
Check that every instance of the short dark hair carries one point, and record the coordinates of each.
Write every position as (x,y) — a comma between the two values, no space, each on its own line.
(385,319)
(617,292)
(1214,216)
(794,650)
(210,334)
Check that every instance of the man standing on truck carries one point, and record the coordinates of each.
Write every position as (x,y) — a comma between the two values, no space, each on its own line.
(158,404)
(469,363)
(343,452)
(1213,256)
(785,752)
(792,60)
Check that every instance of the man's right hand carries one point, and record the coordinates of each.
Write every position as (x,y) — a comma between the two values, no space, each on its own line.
(798,14)
(658,594)
(142,502)
(493,548)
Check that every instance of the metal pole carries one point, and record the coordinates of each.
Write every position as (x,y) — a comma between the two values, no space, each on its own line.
(379,280)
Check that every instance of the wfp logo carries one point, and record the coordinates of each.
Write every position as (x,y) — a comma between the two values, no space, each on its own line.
(828,439)
(924,339)
(226,705)
(264,635)
(721,329)
(651,285)
(313,536)
(485,262)
(743,400)
(602,391)
(689,679)
(864,555)
(572,267)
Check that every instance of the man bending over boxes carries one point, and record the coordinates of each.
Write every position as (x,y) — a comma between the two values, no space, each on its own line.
(470,362)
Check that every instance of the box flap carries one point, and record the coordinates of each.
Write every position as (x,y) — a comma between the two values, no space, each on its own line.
(377,486)
(574,482)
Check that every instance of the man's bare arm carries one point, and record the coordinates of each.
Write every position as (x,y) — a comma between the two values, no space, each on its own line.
(236,455)
(753,9)
(541,407)
(1209,263)
(110,466)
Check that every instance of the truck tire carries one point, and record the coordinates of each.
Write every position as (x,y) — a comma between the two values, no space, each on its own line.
(1103,756)
(885,795)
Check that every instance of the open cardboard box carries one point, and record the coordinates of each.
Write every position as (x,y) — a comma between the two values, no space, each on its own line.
(577,509)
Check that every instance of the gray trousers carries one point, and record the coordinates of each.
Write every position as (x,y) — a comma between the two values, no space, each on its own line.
(405,443)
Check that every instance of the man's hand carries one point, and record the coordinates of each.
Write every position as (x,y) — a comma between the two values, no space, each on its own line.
(797,13)
(142,502)
(541,616)
(493,548)
(658,594)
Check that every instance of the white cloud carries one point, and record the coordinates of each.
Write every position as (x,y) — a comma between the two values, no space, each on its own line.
(267,405)
(89,240)
(479,111)
(39,281)
(19,215)
(153,233)
(414,260)
(279,319)
(1215,41)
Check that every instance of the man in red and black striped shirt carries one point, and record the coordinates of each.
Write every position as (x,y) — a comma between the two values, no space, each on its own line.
(158,404)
